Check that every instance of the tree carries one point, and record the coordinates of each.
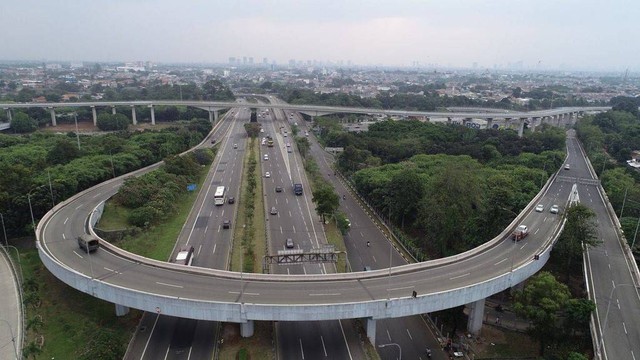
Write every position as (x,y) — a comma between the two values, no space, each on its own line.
(326,200)
(578,314)
(579,229)
(252,129)
(22,123)
(541,302)
(62,152)
(110,122)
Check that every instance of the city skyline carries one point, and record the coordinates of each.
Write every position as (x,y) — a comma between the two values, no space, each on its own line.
(541,35)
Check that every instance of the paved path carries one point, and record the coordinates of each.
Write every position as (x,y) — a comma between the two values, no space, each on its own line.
(10,311)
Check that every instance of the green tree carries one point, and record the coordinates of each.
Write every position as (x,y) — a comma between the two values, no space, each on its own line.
(579,230)
(541,302)
(326,200)
(578,314)
(252,129)
(22,123)
(111,122)
(62,152)
(405,190)
(576,356)
(303,146)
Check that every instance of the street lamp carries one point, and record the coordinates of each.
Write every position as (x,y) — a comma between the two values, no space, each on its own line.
(393,344)
(13,338)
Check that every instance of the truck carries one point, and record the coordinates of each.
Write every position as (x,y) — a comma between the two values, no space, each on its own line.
(297,189)
(269,142)
(520,233)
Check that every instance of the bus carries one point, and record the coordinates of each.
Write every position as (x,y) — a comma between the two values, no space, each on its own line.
(219,197)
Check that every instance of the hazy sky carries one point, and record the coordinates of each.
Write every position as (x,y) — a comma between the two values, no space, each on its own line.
(579,34)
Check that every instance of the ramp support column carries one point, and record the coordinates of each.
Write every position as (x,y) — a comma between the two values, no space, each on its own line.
(489,123)
(371,330)
(216,113)
(95,116)
(246,329)
(113,110)
(521,127)
(153,115)
(476,314)
(133,115)
(121,310)
(53,116)
(211,116)
(9,114)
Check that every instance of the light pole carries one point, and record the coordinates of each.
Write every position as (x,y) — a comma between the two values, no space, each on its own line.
(13,338)
(393,344)
(75,117)
(6,242)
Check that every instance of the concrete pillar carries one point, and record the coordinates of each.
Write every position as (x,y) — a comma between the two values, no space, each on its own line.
(489,123)
(371,331)
(521,127)
(133,115)
(153,115)
(53,116)
(113,110)
(9,114)
(427,119)
(558,119)
(476,314)
(216,114)
(449,120)
(246,329)
(95,116)
(211,116)
(121,310)
(535,122)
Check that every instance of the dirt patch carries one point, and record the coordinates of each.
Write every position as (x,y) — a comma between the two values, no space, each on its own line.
(499,342)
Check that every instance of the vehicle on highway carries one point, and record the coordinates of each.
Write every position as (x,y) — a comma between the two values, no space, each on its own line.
(267,174)
(266,157)
(288,144)
(261,130)
(367,268)
(520,233)
(289,150)
(226,224)
(289,243)
(274,211)
(88,243)
(231,200)
(567,167)
(278,188)
(306,133)
(554,209)
(297,189)
(219,195)
(185,256)
(540,208)
(235,146)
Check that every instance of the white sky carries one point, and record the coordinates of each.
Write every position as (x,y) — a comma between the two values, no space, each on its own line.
(577,34)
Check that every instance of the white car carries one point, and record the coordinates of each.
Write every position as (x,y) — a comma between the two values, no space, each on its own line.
(540,208)
(554,209)
(267,174)
(567,167)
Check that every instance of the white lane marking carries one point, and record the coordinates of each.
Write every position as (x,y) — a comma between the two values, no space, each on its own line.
(536,231)
(326,294)
(323,347)
(64,237)
(97,195)
(79,206)
(409,333)
(206,228)
(501,261)
(214,248)
(388,335)
(301,349)
(374,259)
(345,339)
(460,276)
(65,222)
(149,339)
(281,232)
(244,293)
(294,228)
(80,256)
(199,249)
(288,272)
(522,247)
(625,328)
(618,302)
(167,354)
(106,268)
(165,284)
(401,288)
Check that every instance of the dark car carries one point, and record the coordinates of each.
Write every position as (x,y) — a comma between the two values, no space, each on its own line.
(278,188)
(226,224)
(231,200)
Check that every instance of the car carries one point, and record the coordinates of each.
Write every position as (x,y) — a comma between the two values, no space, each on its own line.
(540,208)
(289,150)
(278,188)
(267,174)
(367,268)
(261,130)
(289,243)
(285,134)
(226,224)
(348,223)
(235,146)
(266,157)
(274,211)
(567,166)
(554,209)
(306,133)
(288,144)
(231,200)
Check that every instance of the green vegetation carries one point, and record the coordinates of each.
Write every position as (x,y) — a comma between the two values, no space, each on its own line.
(579,230)
(112,122)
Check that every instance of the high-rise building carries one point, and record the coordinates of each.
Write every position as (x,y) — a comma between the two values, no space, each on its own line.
(251,60)
(232,60)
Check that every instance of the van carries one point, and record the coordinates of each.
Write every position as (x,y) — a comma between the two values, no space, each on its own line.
(88,243)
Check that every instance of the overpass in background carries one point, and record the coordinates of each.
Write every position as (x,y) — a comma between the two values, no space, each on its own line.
(556,117)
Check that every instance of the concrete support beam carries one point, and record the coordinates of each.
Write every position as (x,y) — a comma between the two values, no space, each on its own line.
(449,120)
(216,114)
(521,127)
(133,115)
(211,116)
(427,119)
(9,114)
(476,314)
(535,122)
(95,116)
(489,123)
(371,331)
(246,329)
(53,116)
(113,110)
(153,115)
(121,310)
